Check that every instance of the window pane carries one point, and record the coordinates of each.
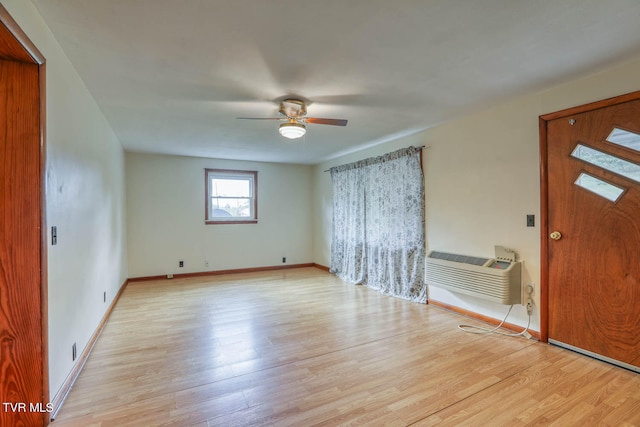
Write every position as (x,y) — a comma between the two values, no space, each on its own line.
(599,187)
(625,139)
(231,207)
(606,161)
(228,187)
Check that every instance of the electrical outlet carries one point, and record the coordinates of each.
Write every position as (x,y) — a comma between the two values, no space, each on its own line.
(206,263)
(526,292)
(74,354)
(180,264)
(284,259)
(529,307)
(54,235)
(104,296)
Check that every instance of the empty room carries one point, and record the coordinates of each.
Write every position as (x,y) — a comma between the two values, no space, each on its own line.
(279,213)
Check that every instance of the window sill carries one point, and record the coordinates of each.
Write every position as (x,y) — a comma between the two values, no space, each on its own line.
(239,221)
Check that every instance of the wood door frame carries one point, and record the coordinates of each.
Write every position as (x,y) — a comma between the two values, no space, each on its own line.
(544,195)
(21,49)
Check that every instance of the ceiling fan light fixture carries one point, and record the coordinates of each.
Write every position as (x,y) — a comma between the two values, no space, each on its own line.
(292,130)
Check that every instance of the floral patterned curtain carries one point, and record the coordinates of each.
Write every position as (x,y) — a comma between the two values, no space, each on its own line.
(378,224)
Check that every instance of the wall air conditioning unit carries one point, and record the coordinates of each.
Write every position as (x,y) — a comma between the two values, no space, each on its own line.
(493,279)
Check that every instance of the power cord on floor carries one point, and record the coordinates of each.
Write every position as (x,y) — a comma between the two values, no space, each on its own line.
(472,329)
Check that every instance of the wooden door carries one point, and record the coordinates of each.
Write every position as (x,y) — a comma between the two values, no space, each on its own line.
(23,372)
(593,246)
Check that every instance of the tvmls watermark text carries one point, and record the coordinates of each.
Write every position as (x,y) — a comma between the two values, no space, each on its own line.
(27,407)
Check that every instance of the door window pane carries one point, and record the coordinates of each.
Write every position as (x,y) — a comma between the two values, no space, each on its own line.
(607,161)
(625,138)
(599,187)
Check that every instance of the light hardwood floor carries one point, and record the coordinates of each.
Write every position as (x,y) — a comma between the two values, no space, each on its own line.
(300,348)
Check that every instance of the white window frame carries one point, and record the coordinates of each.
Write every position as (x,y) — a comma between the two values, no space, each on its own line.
(250,176)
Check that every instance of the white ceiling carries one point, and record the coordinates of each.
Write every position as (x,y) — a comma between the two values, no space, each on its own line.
(171,76)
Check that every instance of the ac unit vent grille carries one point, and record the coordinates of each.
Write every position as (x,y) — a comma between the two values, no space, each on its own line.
(485,278)
(459,258)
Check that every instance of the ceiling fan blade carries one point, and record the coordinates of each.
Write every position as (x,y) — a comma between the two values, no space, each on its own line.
(259,118)
(319,121)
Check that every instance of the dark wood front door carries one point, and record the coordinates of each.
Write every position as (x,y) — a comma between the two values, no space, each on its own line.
(593,240)
(23,369)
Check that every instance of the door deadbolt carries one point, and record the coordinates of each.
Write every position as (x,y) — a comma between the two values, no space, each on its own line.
(555,235)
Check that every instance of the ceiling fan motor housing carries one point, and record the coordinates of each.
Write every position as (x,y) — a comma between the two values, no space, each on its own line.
(293,108)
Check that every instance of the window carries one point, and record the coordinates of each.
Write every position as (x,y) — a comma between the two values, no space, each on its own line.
(625,138)
(231,196)
(600,187)
(607,161)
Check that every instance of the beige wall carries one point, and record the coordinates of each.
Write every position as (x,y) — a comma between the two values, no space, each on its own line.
(85,199)
(165,214)
(482,179)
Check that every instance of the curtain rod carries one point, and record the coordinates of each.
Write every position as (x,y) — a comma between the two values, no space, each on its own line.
(420,147)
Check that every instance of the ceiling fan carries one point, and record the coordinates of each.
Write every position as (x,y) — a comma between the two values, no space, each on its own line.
(294,114)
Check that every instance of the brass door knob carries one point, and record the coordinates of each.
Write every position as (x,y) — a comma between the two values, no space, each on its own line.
(555,235)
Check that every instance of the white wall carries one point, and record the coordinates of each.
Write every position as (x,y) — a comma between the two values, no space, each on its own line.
(482,179)
(85,199)
(165,212)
